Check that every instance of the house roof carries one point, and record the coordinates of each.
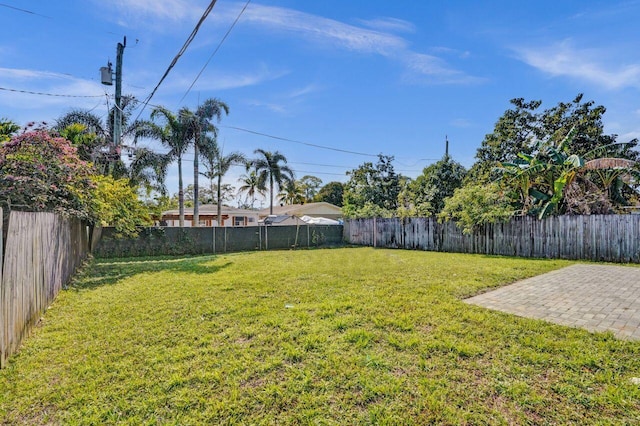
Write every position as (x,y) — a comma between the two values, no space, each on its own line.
(310,209)
(212,209)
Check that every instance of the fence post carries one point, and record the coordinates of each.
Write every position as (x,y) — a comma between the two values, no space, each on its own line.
(375,232)
(3,322)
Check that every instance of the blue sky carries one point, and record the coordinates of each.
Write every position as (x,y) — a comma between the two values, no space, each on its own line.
(391,77)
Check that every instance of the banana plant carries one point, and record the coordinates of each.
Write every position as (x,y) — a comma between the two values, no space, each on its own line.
(542,177)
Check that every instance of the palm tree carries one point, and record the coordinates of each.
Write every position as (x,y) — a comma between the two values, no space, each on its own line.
(174,133)
(8,128)
(149,170)
(218,165)
(292,193)
(272,167)
(251,185)
(202,124)
(94,140)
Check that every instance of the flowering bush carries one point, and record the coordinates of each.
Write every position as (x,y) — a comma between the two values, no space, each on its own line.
(40,172)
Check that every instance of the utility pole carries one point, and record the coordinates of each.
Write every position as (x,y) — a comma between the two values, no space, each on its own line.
(106,74)
(446,149)
(117,116)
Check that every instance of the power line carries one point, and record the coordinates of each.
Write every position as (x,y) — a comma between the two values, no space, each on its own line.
(178,55)
(49,94)
(299,142)
(24,10)
(215,51)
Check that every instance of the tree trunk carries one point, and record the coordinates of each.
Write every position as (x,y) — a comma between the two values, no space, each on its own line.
(180,193)
(196,201)
(218,201)
(270,194)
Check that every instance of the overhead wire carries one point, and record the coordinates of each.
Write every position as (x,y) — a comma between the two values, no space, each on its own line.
(178,55)
(215,51)
(24,10)
(29,92)
(299,142)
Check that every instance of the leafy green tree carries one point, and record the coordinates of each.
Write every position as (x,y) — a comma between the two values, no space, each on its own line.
(372,185)
(520,128)
(159,204)
(116,203)
(309,186)
(426,194)
(475,205)
(331,193)
(272,167)
(40,172)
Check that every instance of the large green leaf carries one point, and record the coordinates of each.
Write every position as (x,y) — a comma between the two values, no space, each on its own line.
(574,160)
(538,195)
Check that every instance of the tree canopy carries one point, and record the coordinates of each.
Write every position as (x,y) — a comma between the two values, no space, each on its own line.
(331,193)
(521,127)
(426,194)
(372,189)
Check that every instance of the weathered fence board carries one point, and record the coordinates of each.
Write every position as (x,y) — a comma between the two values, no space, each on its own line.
(612,238)
(42,252)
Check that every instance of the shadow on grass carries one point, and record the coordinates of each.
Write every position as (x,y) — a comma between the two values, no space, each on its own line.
(107,272)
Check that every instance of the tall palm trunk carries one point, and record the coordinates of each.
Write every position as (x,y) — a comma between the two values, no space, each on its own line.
(270,193)
(180,193)
(218,201)
(196,190)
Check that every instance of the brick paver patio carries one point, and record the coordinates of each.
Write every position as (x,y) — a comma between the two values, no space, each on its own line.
(594,297)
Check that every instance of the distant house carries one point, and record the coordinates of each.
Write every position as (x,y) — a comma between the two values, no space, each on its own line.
(208,215)
(291,214)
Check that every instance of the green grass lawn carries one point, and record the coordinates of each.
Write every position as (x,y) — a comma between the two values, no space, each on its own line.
(341,336)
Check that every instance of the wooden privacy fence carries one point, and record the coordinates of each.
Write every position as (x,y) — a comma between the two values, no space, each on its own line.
(611,238)
(42,252)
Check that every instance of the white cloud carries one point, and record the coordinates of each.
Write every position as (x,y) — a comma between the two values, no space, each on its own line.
(461,122)
(318,29)
(278,108)
(214,81)
(462,54)
(72,89)
(564,60)
(625,137)
(389,24)
(362,40)
(323,30)
(435,70)
(310,88)
(132,12)
(26,74)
